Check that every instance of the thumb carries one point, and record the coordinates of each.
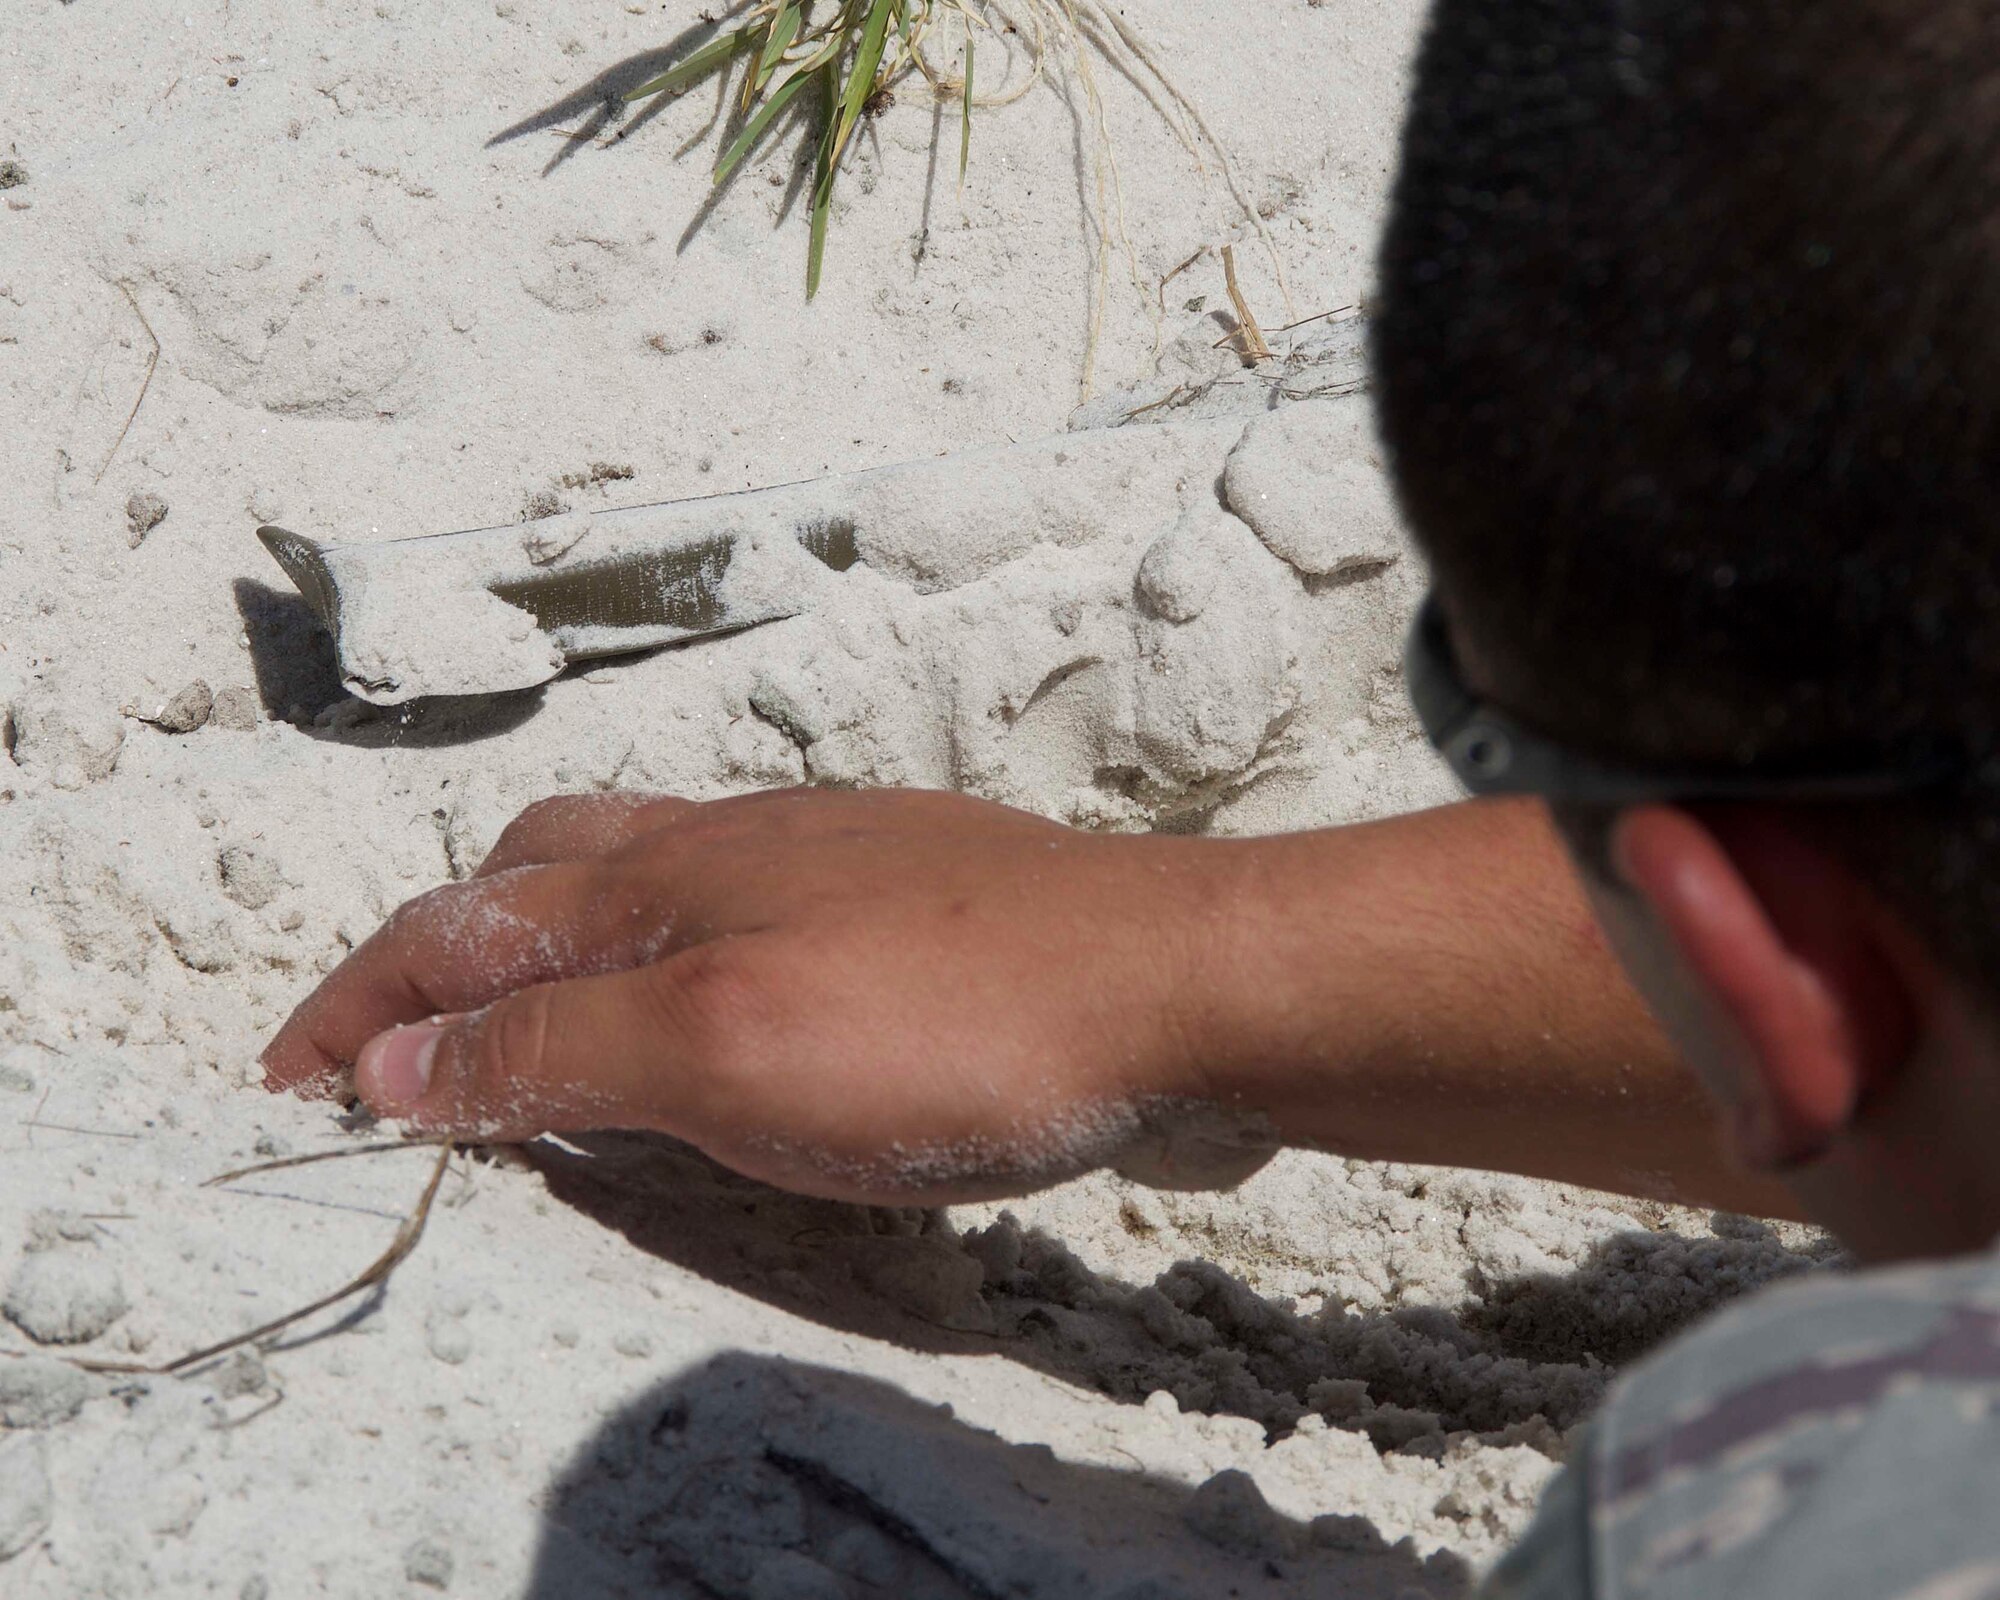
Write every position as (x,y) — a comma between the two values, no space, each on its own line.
(572,1057)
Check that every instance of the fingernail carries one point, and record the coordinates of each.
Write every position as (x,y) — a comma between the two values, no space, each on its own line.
(394,1068)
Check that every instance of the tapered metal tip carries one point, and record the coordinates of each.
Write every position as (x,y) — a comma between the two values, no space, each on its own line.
(304,561)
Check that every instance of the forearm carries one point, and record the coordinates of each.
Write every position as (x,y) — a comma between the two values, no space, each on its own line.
(1434,989)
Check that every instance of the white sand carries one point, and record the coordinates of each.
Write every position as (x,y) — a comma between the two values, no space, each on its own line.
(629,1373)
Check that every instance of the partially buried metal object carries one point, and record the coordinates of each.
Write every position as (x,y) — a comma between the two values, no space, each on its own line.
(497,609)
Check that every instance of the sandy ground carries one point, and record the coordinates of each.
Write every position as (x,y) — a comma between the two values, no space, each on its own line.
(616,1369)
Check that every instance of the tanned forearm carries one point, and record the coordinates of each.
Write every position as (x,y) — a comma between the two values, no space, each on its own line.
(1434,988)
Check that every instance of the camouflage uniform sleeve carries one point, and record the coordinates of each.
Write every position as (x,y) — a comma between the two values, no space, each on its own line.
(1552,1561)
(1834,1439)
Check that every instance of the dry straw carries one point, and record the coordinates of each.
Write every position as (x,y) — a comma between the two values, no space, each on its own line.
(373,1276)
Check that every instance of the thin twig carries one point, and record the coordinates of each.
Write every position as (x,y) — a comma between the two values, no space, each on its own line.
(1164,401)
(1254,347)
(282,1162)
(35,1116)
(377,1272)
(95,1133)
(151,366)
(35,1122)
(247,1419)
(1321,317)
(1169,278)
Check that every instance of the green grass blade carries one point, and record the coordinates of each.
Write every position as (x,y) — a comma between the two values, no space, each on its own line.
(843,52)
(822,199)
(755,128)
(816,244)
(965,114)
(861,78)
(712,56)
(784,29)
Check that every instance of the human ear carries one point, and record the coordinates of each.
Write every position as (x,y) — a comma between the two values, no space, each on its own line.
(1794,959)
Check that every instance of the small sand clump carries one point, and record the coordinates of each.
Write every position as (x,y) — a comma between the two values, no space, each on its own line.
(144,512)
(64,1296)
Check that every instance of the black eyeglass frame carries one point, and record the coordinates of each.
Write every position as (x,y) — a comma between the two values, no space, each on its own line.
(1493,753)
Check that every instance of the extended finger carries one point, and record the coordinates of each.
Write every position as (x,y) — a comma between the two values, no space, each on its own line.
(619,1050)
(456,949)
(574,827)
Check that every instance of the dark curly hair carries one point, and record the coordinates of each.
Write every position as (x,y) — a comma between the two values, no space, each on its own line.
(1688,357)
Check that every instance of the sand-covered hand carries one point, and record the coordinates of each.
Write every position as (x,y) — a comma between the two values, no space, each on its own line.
(875,996)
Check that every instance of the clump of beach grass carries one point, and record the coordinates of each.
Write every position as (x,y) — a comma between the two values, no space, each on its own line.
(837,60)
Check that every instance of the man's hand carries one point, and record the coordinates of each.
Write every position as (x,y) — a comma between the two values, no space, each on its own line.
(891,996)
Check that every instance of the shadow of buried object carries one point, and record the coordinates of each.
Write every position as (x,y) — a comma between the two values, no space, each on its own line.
(298,681)
(298,675)
(756,1477)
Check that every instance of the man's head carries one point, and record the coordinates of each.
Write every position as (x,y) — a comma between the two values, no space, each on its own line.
(1689,365)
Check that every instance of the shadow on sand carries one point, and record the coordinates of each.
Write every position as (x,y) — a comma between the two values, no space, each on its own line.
(758,1477)
(298,681)
(771,1480)
(1524,1360)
